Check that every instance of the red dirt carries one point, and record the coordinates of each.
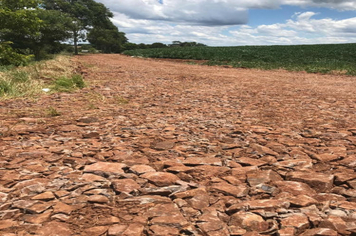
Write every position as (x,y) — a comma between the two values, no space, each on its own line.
(161,148)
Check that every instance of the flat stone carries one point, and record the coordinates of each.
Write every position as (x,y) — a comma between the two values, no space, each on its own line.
(318,181)
(249,221)
(302,200)
(105,168)
(60,217)
(93,178)
(195,161)
(3,197)
(246,161)
(38,218)
(165,145)
(210,223)
(97,230)
(326,157)
(319,232)
(44,196)
(38,182)
(55,229)
(39,207)
(326,197)
(344,175)
(266,204)
(125,185)
(289,231)
(295,188)
(161,179)
(5,224)
(335,223)
(228,189)
(300,164)
(141,169)
(160,230)
(240,172)
(116,230)
(133,230)
(163,191)
(263,150)
(91,135)
(299,221)
(98,199)
(142,200)
(264,176)
(61,207)
(167,214)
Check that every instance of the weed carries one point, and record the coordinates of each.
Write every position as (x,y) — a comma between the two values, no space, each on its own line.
(5,87)
(19,76)
(78,81)
(91,106)
(120,100)
(52,112)
(65,84)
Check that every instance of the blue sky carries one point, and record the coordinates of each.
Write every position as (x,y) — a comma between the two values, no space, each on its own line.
(236,22)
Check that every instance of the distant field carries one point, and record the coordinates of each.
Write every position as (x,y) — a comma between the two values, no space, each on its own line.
(328,58)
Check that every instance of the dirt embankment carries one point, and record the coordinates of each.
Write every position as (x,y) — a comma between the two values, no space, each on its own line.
(161,148)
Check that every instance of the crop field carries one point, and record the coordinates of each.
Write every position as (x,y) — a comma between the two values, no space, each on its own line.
(328,58)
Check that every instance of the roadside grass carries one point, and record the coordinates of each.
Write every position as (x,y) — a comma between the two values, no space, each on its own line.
(56,75)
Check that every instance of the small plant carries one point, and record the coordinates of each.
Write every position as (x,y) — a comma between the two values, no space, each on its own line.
(5,87)
(52,112)
(18,76)
(65,84)
(120,100)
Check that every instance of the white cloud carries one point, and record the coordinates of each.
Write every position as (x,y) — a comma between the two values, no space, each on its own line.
(223,22)
(200,12)
(333,4)
(302,29)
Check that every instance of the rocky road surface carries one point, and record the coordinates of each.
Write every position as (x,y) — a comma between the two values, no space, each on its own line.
(162,148)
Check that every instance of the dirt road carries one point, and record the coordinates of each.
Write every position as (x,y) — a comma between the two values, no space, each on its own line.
(162,148)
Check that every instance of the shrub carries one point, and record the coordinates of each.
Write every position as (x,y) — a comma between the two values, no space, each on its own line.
(8,56)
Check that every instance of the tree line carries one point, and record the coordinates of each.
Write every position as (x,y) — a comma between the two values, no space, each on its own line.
(34,29)
(39,28)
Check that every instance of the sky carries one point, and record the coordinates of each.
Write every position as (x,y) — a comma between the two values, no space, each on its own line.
(236,22)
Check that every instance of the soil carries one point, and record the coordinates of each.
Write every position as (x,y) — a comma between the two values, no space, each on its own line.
(154,147)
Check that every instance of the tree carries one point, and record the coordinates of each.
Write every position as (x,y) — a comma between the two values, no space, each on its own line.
(85,15)
(158,45)
(108,40)
(17,16)
(53,30)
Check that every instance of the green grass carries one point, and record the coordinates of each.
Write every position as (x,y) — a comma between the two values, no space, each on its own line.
(65,84)
(327,58)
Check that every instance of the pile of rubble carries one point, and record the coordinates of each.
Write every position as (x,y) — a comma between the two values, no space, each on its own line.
(161,148)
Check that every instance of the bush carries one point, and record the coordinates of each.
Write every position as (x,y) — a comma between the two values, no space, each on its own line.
(8,56)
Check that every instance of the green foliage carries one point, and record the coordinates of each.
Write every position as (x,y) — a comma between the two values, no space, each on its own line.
(19,15)
(8,56)
(332,58)
(65,84)
(108,40)
(85,15)
(5,87)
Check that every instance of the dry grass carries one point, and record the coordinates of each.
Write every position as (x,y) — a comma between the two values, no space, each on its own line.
(30,80)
